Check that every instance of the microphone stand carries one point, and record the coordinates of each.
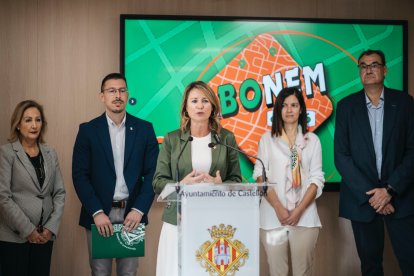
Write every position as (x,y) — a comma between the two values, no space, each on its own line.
(177,172)
(219,142)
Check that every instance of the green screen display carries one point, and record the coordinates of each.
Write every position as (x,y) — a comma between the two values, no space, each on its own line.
(247,61)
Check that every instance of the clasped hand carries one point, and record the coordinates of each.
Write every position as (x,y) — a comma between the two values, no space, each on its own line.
(198,177)
(40,237)
(289,217)
(380,201)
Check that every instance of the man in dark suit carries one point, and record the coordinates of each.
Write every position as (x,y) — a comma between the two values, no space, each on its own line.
(374,153)
(114,160)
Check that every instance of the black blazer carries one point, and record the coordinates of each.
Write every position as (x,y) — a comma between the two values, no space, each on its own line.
(355,155)
(93,169)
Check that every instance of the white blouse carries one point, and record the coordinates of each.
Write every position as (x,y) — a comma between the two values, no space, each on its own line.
(201,161)
(275,154)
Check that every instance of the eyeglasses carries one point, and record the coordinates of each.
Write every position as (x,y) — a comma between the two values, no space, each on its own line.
(112,91)
(373,66)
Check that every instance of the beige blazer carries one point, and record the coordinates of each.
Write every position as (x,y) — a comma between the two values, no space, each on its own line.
(22,199)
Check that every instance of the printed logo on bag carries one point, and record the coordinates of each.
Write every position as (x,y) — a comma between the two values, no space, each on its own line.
(223,255)
(129,239)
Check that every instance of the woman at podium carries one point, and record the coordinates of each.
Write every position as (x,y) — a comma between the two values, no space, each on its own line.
(292,156)
(190,155)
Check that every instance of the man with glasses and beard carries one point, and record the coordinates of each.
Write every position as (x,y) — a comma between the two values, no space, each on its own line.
(374,153)
(113,164)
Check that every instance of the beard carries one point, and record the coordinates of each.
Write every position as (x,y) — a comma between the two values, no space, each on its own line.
(118,110)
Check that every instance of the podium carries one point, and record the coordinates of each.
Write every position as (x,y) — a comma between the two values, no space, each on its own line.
(218,226)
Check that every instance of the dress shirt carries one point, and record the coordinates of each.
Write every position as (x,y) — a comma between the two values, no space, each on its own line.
(117,134)
(376,121)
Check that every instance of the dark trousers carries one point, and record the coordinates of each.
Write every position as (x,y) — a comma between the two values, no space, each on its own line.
(369,239)
(25,259)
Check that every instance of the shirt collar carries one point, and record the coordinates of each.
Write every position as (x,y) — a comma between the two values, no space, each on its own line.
(112,124)
(368,101)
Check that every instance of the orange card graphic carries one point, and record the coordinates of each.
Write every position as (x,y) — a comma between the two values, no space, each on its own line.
(265,56)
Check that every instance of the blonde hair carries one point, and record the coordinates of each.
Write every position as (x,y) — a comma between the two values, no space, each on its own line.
(215,117)
(17,116)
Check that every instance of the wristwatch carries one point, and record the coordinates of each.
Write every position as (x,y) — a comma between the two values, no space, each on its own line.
(390,191)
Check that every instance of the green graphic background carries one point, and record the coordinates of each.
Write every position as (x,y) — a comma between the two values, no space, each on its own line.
(162,56)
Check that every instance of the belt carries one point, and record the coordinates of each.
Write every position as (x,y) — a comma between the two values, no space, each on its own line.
(119,204)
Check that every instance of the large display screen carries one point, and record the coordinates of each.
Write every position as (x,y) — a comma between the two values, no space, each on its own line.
(247,61)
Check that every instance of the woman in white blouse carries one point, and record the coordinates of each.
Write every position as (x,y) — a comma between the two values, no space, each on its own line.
(293,160)
(200,119)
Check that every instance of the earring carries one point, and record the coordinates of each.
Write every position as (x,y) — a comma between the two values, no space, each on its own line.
(18,128)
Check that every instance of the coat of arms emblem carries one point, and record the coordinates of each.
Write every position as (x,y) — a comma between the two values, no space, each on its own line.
(223,255)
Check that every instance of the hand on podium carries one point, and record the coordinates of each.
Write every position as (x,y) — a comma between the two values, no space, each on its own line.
(192,177)
(210,179)
(201,177)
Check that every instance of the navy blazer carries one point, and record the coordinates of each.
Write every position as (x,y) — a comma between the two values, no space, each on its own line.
(93,169)
(355,155)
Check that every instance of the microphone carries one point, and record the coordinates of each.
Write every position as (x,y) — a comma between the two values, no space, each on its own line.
(219,142)
(177,173)
(212,145)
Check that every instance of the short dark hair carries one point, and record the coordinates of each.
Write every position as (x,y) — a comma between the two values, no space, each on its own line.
(112,76)
(277,121)
(373,52)
(17,116)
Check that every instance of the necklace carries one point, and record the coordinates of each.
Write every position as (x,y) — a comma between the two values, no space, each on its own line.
(41,170)
(38,165)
